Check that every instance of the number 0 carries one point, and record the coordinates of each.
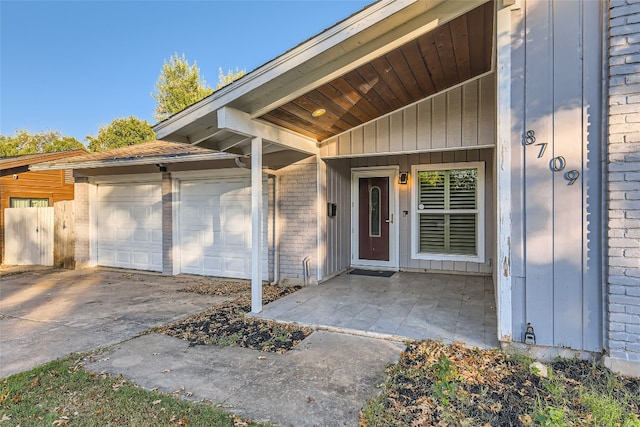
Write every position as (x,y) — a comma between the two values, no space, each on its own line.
(557,164)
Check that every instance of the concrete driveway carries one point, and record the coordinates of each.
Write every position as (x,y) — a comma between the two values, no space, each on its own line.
(49,313)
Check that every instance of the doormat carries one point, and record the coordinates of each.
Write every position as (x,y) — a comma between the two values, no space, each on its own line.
(376,273)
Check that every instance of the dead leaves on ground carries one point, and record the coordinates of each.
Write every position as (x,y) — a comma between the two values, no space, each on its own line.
(437,384)
(219,287)
(226,324)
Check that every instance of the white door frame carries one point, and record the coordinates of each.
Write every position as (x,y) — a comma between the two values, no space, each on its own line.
(384,171)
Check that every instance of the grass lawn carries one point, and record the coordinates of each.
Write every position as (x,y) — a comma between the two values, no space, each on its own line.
(62,392)
(436,384)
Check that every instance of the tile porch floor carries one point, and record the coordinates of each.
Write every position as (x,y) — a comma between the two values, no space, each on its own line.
(405,306)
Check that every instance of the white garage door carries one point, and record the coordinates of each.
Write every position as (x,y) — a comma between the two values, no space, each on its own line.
(215,227)
(129,226)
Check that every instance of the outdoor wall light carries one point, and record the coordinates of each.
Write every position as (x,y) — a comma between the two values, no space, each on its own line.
(403,178)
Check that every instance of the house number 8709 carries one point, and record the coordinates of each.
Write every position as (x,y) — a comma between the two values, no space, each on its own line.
(556,164)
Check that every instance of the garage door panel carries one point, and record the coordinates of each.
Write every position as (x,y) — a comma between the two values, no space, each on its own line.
(129,226)
(108,256)
(236,265)
(141,258)
(224,220)
(238,239)
(212,264)
(123,257)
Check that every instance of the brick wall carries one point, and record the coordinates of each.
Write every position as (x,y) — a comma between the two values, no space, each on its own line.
(270,229)
(624,185)
(81,231)
(297,194)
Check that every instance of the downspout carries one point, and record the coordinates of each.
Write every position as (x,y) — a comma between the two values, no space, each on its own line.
(305,271)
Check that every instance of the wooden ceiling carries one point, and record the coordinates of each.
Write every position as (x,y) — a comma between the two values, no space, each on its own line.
(444,57)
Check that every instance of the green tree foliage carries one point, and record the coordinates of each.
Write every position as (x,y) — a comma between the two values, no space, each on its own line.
(24,142)
(178,86)
(230,77)
(121,133)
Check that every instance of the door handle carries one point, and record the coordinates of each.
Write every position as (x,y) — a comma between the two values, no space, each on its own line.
(390,221)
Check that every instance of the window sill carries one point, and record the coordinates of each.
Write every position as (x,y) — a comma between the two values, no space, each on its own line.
(445,257)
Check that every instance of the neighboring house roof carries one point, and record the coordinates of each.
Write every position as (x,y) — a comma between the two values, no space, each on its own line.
(32,159)
(139,154)
(389,55)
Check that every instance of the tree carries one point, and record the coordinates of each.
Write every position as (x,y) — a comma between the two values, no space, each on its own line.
(121,133)
(24,142)
(229,78)
(178,86)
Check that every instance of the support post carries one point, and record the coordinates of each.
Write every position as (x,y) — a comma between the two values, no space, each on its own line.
(256,225)
(503,177)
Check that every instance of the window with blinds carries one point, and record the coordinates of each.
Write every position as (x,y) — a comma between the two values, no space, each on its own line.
(24,202)
(448,208)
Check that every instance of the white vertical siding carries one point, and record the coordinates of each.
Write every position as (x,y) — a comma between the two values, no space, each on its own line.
(338,234)
(555,258)
(338,228)
(463,116)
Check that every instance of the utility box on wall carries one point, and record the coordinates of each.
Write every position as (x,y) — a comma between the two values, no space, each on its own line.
(332,209)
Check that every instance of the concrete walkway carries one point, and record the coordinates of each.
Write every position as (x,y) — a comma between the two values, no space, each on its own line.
(323,381)
(47,313)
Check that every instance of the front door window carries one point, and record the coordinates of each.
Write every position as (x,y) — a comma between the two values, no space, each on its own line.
(374,212)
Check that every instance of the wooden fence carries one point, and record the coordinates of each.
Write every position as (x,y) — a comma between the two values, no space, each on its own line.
(40,236)
(63,235)
(28,236)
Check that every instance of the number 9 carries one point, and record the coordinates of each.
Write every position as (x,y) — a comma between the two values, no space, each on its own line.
(572,176)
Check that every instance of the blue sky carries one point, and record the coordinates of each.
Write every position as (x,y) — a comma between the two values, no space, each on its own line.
(74,66)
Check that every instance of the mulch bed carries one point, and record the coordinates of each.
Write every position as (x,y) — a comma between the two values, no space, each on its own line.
(226,324)
(436,384)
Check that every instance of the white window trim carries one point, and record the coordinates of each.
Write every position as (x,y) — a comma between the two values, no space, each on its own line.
(415,253)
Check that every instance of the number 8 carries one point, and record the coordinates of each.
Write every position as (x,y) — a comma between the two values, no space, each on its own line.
(529,137)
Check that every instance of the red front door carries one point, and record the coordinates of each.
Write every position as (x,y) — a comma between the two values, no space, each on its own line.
(373,215)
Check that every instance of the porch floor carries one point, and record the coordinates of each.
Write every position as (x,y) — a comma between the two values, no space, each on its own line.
(407,305)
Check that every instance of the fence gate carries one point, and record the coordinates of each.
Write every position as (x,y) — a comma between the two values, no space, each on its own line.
(28,236)
(63,234)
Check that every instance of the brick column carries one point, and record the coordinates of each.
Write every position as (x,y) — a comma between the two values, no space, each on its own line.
(167,224)
(81,227)
(298,198)
(623,188)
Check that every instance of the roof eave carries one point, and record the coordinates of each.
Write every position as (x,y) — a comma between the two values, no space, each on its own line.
(328,39)
(95,164)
